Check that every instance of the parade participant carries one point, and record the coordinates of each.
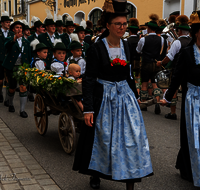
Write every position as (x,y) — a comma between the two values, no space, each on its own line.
(70,29)
(133,40)
(4,33)
(49,37)
(76,50)
(173,54)
(41,52)
(38,27)
(58,65)
(100,30)
(113,142)
(59,25)
(27,30)
(188,65)
(18,54)
(88,32)
(151,48)
(80,31)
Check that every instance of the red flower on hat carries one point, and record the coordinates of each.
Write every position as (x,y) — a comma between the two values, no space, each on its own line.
(118,61)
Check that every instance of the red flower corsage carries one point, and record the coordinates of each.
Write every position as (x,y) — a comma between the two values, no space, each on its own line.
(45,64)
(118,61)
(65,63)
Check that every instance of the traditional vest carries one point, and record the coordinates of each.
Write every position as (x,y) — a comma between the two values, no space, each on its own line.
(133,41)
(151,49)
(74,61)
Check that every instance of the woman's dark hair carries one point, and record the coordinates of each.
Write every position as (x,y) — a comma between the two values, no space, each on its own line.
(107,17)
(194,29)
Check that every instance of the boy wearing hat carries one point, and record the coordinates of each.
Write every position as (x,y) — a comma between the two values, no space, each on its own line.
(39,28)
(76,50)
(58,65)
(151,48)
(41,52)
(173,54)
(19,53)
(4,33)
(49,37)
(59,25)
(70,26)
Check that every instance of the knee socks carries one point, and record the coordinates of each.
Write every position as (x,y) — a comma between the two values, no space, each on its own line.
(23,100)
(10,98)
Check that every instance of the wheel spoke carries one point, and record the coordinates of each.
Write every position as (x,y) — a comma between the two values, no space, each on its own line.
(39,122)
(38,109)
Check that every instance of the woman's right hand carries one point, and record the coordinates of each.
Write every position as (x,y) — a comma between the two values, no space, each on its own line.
(88,119)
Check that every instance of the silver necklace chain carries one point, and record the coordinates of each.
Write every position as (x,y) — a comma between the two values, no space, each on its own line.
(113,45)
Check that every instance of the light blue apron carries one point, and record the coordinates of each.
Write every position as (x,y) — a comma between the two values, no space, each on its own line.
(120,146)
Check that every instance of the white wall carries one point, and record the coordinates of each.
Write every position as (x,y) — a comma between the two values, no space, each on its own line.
(198,4)
(189,7)
(171,6)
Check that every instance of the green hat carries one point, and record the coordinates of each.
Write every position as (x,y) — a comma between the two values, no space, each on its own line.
(89,31)
(75,45)
(38,24)
(98,29)
(5,17)
(133,27)
(78,29)
(58,45)
(49,22)
(26,27)
(69,23)
(152,24)
(17,23)
(183,27)
(59,23)
(37,46)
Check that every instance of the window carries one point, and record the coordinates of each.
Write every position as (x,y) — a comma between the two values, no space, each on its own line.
(4,6)
(9,6)
(95,16)
(132,10)
(16,7)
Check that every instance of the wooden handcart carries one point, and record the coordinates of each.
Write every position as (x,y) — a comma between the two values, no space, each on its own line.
(70,119)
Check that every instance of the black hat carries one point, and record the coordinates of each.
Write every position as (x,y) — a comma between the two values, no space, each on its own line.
(75,45)
(78,29)
(49,22)
(58,45)
(59,23)
(175,13)
(37,46)
(5,17)
(116,6)
(69,21)
(38,24)
(17,23)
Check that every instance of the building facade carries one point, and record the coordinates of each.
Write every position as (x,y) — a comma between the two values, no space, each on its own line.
(91,9)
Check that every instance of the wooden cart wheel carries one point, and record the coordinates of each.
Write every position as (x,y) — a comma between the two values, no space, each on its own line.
(66,131)
(40,115)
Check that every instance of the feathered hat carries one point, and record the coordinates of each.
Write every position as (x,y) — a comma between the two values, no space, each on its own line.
(49,18)
(75,43)
(116,6)
(182,22)
(5,17)
(153,23)
(133,24)
(59,21)
(69,21)
(81,27)
(59,45)
(26,24)
(37,46)
(36,21)
(18,22)
(162,24)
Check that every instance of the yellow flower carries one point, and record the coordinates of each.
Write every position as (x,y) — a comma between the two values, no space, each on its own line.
(50,78)
(40,72)
(35,75)
(26,69)
(36,70)
(38,78)
(59,78)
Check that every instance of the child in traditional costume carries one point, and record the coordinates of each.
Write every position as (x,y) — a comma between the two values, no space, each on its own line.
(58,65)
(41,52)
(76,50)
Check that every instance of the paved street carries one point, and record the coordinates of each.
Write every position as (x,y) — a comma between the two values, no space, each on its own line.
(163,138)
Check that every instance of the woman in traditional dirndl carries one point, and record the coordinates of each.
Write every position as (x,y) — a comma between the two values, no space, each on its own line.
(113,143)
(187,74)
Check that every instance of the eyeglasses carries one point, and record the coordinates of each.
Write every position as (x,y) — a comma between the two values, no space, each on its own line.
(119,24)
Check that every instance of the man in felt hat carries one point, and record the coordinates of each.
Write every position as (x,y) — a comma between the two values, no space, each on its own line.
(88,32)
(133,40)
(173,54)
(18,54)
(39,28)
(59,25)
(151,48)
(49,37)
(70,26)
(27,30)
(4,33)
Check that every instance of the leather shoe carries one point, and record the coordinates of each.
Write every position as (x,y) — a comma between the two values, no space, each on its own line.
(11,109)
(31,98)
(171,116)
(6,103)
(157,109)
(1,98)
(23,114)
(95,182)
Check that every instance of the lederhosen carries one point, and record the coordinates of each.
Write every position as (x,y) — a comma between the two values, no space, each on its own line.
(133,41)
(150,53)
